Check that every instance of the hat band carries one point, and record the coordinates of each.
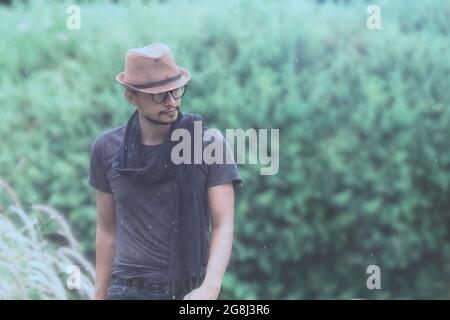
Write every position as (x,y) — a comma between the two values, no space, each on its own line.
(157,83)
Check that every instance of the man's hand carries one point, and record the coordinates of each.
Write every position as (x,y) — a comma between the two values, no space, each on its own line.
(204,292)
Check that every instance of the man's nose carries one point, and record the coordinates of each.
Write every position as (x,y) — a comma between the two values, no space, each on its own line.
(170,101)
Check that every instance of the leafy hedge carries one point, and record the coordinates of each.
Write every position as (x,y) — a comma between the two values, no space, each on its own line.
(363,118)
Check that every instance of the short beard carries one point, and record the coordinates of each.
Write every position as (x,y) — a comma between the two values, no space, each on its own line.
(157,122)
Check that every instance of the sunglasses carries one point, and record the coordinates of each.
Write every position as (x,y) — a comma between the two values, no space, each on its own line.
(176,94)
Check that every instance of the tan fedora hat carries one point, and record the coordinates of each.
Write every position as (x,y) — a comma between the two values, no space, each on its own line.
(152,69)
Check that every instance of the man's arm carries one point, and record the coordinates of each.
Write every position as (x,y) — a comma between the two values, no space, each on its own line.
(221,208)
(105,242)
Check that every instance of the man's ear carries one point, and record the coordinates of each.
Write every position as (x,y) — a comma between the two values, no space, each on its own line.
(131,97)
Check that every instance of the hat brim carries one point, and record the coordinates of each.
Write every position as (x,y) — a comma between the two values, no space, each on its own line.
(185,77)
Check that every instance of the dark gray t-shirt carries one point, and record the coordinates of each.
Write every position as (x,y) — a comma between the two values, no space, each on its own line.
(143,212)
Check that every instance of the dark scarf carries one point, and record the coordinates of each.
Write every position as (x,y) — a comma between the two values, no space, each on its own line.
(189,236)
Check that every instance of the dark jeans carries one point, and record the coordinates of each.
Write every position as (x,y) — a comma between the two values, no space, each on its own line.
(142,289)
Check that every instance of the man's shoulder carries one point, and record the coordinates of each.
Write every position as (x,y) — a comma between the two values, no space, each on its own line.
(109,137)
(113,133)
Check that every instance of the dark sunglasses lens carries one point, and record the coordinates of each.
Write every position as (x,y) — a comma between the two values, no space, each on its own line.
(159,97)
(178,92)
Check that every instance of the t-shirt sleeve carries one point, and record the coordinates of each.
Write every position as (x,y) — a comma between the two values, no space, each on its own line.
(97,172)
(225,170)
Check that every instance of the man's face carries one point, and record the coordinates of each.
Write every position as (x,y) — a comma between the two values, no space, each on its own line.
(165,112)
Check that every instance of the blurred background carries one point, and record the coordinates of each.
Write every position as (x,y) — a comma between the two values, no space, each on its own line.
(364,125)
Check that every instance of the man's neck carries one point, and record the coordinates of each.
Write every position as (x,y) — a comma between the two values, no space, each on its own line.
(152,133)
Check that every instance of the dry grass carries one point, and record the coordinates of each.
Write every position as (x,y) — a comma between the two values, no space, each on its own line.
(31,265)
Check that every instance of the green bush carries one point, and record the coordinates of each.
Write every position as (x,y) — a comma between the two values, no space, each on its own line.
(363,118)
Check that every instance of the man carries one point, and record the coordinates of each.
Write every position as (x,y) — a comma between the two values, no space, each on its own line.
(153,238)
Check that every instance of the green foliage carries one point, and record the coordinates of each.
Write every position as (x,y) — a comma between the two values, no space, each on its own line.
(363,118)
